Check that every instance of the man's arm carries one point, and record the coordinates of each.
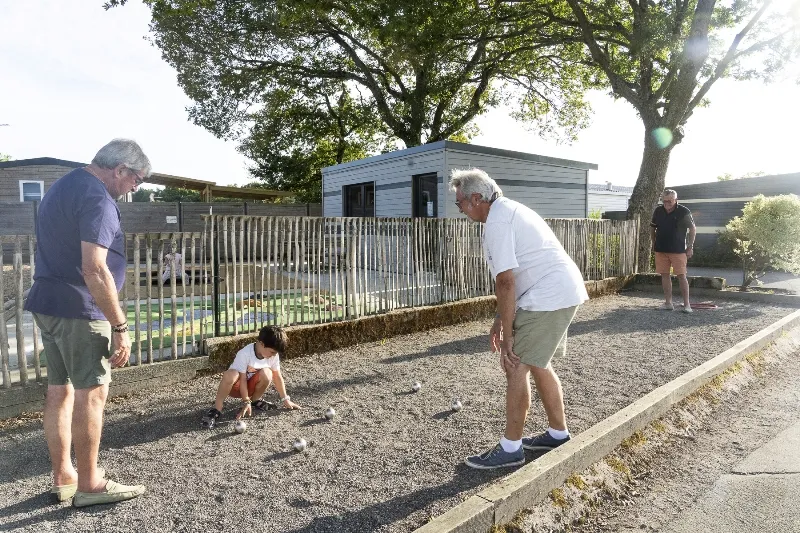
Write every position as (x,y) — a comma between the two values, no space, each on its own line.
(101,286)
(100,281)
(690,241)
(506,309)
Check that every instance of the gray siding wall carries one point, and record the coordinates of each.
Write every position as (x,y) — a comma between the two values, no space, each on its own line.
(607,201)
(392,178)
(550,190)
(714,204)
(17,218)
(139,217)
(10,178)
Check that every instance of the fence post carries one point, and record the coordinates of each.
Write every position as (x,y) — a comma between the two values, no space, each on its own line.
(35,216)
(180,217)
(215,275)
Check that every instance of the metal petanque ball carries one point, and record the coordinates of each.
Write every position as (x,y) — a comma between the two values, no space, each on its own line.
(416,386)
(300,445)
(330,412)
(456,405)
(240,426)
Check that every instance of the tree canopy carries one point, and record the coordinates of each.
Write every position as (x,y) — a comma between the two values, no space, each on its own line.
(663,57)
(307,83)
(297,133)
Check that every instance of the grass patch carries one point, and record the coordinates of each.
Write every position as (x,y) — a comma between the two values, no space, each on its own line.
(575,480)
(637,439)
(558,498)
(618,465)
(659,426)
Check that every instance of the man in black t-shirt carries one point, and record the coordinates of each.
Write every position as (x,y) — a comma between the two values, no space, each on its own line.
(668,232)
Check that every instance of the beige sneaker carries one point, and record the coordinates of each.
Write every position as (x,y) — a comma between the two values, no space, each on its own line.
(687,309)
(667,307)
(114,493)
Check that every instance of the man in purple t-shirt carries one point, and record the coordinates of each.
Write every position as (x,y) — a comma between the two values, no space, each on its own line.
(80,269)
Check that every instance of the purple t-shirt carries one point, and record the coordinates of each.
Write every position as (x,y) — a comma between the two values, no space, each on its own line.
(76,208)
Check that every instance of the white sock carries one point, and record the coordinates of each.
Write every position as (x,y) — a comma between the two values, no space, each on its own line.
(510,446)
(558,434)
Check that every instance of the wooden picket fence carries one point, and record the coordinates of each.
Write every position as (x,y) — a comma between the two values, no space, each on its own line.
(244,272)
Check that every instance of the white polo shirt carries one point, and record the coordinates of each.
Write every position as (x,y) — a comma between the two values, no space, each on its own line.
(246,361)
(518,239)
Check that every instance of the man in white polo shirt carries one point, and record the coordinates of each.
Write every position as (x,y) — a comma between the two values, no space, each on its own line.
(539,289)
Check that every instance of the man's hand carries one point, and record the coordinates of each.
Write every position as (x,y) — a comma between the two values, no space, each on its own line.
(689,252)
(495,335)
(247,410)
(508,359)
(120,349)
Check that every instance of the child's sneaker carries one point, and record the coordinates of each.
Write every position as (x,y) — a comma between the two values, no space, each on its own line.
(543,442)
(497,457)
(263,405)
(210,418)
(667,307)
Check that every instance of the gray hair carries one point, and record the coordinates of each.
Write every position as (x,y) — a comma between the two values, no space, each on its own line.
(670,192)
(123,152)
(474,181)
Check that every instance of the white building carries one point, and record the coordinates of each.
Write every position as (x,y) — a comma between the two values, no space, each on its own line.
(607,197)
(413,182)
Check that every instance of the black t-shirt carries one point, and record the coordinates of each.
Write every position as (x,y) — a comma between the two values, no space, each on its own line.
(671,229)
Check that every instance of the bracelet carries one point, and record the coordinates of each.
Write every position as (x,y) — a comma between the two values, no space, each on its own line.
(121,328)
(245,400)
(286,398)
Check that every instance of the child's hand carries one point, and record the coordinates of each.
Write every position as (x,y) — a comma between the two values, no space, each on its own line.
(247,410)
(289,404)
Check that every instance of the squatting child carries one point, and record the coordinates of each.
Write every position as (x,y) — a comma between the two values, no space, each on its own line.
(257,365)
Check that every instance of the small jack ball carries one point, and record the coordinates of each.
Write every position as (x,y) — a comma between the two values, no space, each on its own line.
(456,405)
(416,386)
(330,412)
(240,426)
(300,445)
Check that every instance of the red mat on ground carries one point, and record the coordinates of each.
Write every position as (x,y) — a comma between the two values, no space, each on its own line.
(704,305)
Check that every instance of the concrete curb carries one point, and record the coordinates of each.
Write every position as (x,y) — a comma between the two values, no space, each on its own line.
(499,503)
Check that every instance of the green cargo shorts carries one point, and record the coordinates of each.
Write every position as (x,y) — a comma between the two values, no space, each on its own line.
(541,335)
(77,350)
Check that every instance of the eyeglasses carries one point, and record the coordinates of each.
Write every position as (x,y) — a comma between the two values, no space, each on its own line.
(458,204)
(139,179)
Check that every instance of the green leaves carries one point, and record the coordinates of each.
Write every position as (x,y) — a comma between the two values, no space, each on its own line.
(767,234)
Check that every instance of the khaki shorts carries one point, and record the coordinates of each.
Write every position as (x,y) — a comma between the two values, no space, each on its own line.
(541,335)
(664,261)
(76,350)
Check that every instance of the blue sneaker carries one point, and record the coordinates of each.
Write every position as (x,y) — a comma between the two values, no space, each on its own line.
(544,442)
(497,457)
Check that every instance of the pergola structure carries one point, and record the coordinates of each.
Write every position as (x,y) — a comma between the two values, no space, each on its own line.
(209,189)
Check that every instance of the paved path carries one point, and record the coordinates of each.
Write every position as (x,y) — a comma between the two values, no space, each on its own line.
(761,493)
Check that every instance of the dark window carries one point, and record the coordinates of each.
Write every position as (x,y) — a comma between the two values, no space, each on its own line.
(359,200)
(31,191)
(425,196)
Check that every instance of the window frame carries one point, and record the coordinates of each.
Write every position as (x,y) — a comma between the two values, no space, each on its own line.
(22,190)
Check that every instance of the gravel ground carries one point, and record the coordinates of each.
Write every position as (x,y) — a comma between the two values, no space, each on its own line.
(391,459)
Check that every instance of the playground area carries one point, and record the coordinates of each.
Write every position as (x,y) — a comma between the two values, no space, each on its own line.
(391,459)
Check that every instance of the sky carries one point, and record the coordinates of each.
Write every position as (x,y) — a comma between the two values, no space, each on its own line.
(74,76)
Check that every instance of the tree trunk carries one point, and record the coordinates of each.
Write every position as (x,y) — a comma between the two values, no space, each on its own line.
(648,189)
